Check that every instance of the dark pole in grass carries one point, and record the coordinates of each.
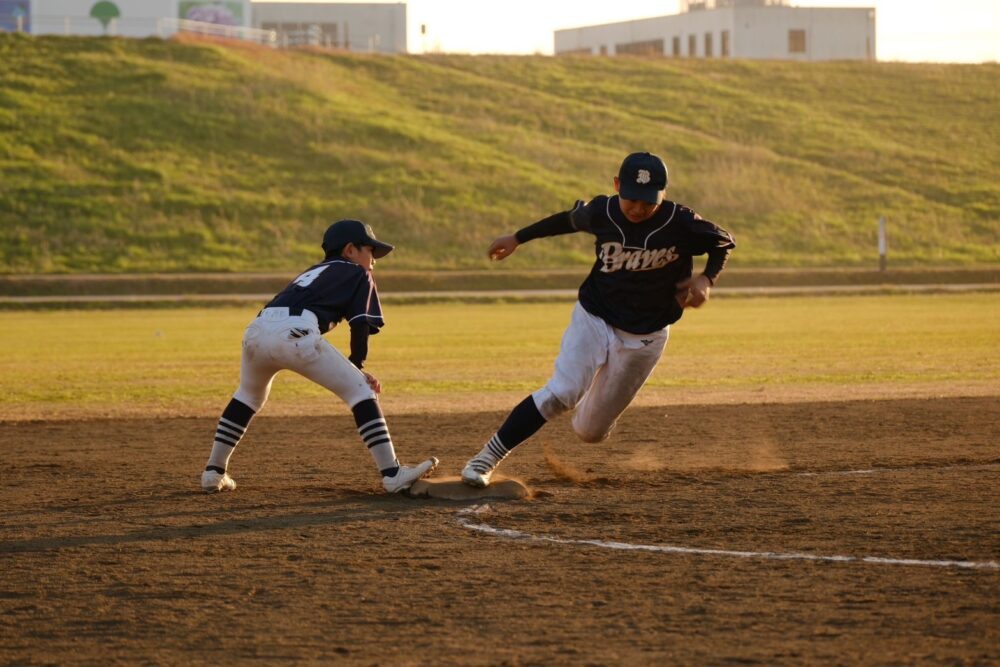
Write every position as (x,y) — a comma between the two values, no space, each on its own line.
(883,245)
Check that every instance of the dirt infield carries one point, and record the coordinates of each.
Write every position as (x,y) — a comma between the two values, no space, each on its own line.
(696,535)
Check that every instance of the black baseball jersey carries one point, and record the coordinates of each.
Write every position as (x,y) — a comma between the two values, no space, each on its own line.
(336,290)
(633,283)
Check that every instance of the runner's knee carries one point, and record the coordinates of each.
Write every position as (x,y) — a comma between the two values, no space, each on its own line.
(549,405)
(591,430)
(591,434)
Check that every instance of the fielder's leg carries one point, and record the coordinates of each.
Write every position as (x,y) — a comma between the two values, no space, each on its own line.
(230,430)
(314,358)
(582,353)
(631,360)
(256,375)
(374,430)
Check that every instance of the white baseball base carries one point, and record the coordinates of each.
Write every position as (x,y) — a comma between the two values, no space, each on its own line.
(453,488)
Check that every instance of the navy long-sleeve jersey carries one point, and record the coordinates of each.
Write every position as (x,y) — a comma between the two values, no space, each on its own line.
(633,283)
(336,290)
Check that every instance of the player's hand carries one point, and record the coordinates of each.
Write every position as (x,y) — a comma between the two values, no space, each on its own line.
(693,292)
(373,382)
(503,247)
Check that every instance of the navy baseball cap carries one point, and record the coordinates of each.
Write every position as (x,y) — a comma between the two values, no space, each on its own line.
(642,177)
(342,232)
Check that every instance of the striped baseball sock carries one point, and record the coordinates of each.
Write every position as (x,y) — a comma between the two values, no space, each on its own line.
(375,432)
(522,422)
(232,425)
(490,456)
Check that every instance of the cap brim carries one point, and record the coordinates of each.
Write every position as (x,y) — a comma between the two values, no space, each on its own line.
(635,192)
(380,249)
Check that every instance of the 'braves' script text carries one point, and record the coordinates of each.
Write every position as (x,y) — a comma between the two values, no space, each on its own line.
(616,257)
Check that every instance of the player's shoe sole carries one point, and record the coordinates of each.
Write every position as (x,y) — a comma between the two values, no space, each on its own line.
(407,475)
(214,482)
(473,477)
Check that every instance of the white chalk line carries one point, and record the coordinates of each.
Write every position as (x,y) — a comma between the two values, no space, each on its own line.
(875,471)
(666,548)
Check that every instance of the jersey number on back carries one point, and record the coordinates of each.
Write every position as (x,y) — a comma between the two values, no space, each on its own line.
(307,278)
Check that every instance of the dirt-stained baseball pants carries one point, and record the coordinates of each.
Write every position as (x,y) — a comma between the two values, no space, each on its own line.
(599,371)
(277,341)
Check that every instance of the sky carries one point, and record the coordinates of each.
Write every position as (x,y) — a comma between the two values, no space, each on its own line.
(906,30)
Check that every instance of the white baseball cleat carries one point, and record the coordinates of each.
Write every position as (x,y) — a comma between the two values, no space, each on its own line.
(477,473)
(214,482)
(406,476)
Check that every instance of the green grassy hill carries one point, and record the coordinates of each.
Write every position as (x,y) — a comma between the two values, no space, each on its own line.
(124,155)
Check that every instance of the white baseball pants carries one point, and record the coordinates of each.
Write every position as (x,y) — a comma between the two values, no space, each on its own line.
(599,371)
(278,341)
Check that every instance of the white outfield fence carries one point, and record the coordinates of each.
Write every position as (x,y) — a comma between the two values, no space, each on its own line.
(169,26)
(162,27)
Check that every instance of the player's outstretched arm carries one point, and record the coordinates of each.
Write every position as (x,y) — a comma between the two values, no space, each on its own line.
(503,247)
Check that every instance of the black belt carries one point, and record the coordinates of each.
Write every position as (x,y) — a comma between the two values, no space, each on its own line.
(292,312)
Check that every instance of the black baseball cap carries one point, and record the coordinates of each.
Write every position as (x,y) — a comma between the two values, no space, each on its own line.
(342,232)
(642,177)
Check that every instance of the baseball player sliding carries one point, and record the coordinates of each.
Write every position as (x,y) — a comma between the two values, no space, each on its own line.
(639,286)
(288,334)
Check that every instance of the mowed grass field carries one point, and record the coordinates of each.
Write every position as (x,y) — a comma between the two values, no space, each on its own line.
(455,357)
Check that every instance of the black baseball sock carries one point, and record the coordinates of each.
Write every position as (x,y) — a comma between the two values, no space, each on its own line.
(522,423)
(232,426)
(375,432)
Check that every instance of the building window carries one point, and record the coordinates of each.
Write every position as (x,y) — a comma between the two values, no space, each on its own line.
(677,47)
(796,41)
(725,44)
(652,47)
(692,46)
(708,45)
(314,34)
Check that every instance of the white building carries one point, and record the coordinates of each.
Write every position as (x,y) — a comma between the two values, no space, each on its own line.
(756,29)
(372,27)
(130,18)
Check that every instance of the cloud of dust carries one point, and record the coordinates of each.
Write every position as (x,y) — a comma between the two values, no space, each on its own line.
(646,461)
(764,457)
(760,456)
(563,470)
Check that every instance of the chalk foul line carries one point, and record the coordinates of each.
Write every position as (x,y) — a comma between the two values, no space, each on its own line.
(465,521)
(875,471)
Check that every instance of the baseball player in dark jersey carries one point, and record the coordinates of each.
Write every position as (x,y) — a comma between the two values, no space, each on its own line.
(288,334)
(639,286)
